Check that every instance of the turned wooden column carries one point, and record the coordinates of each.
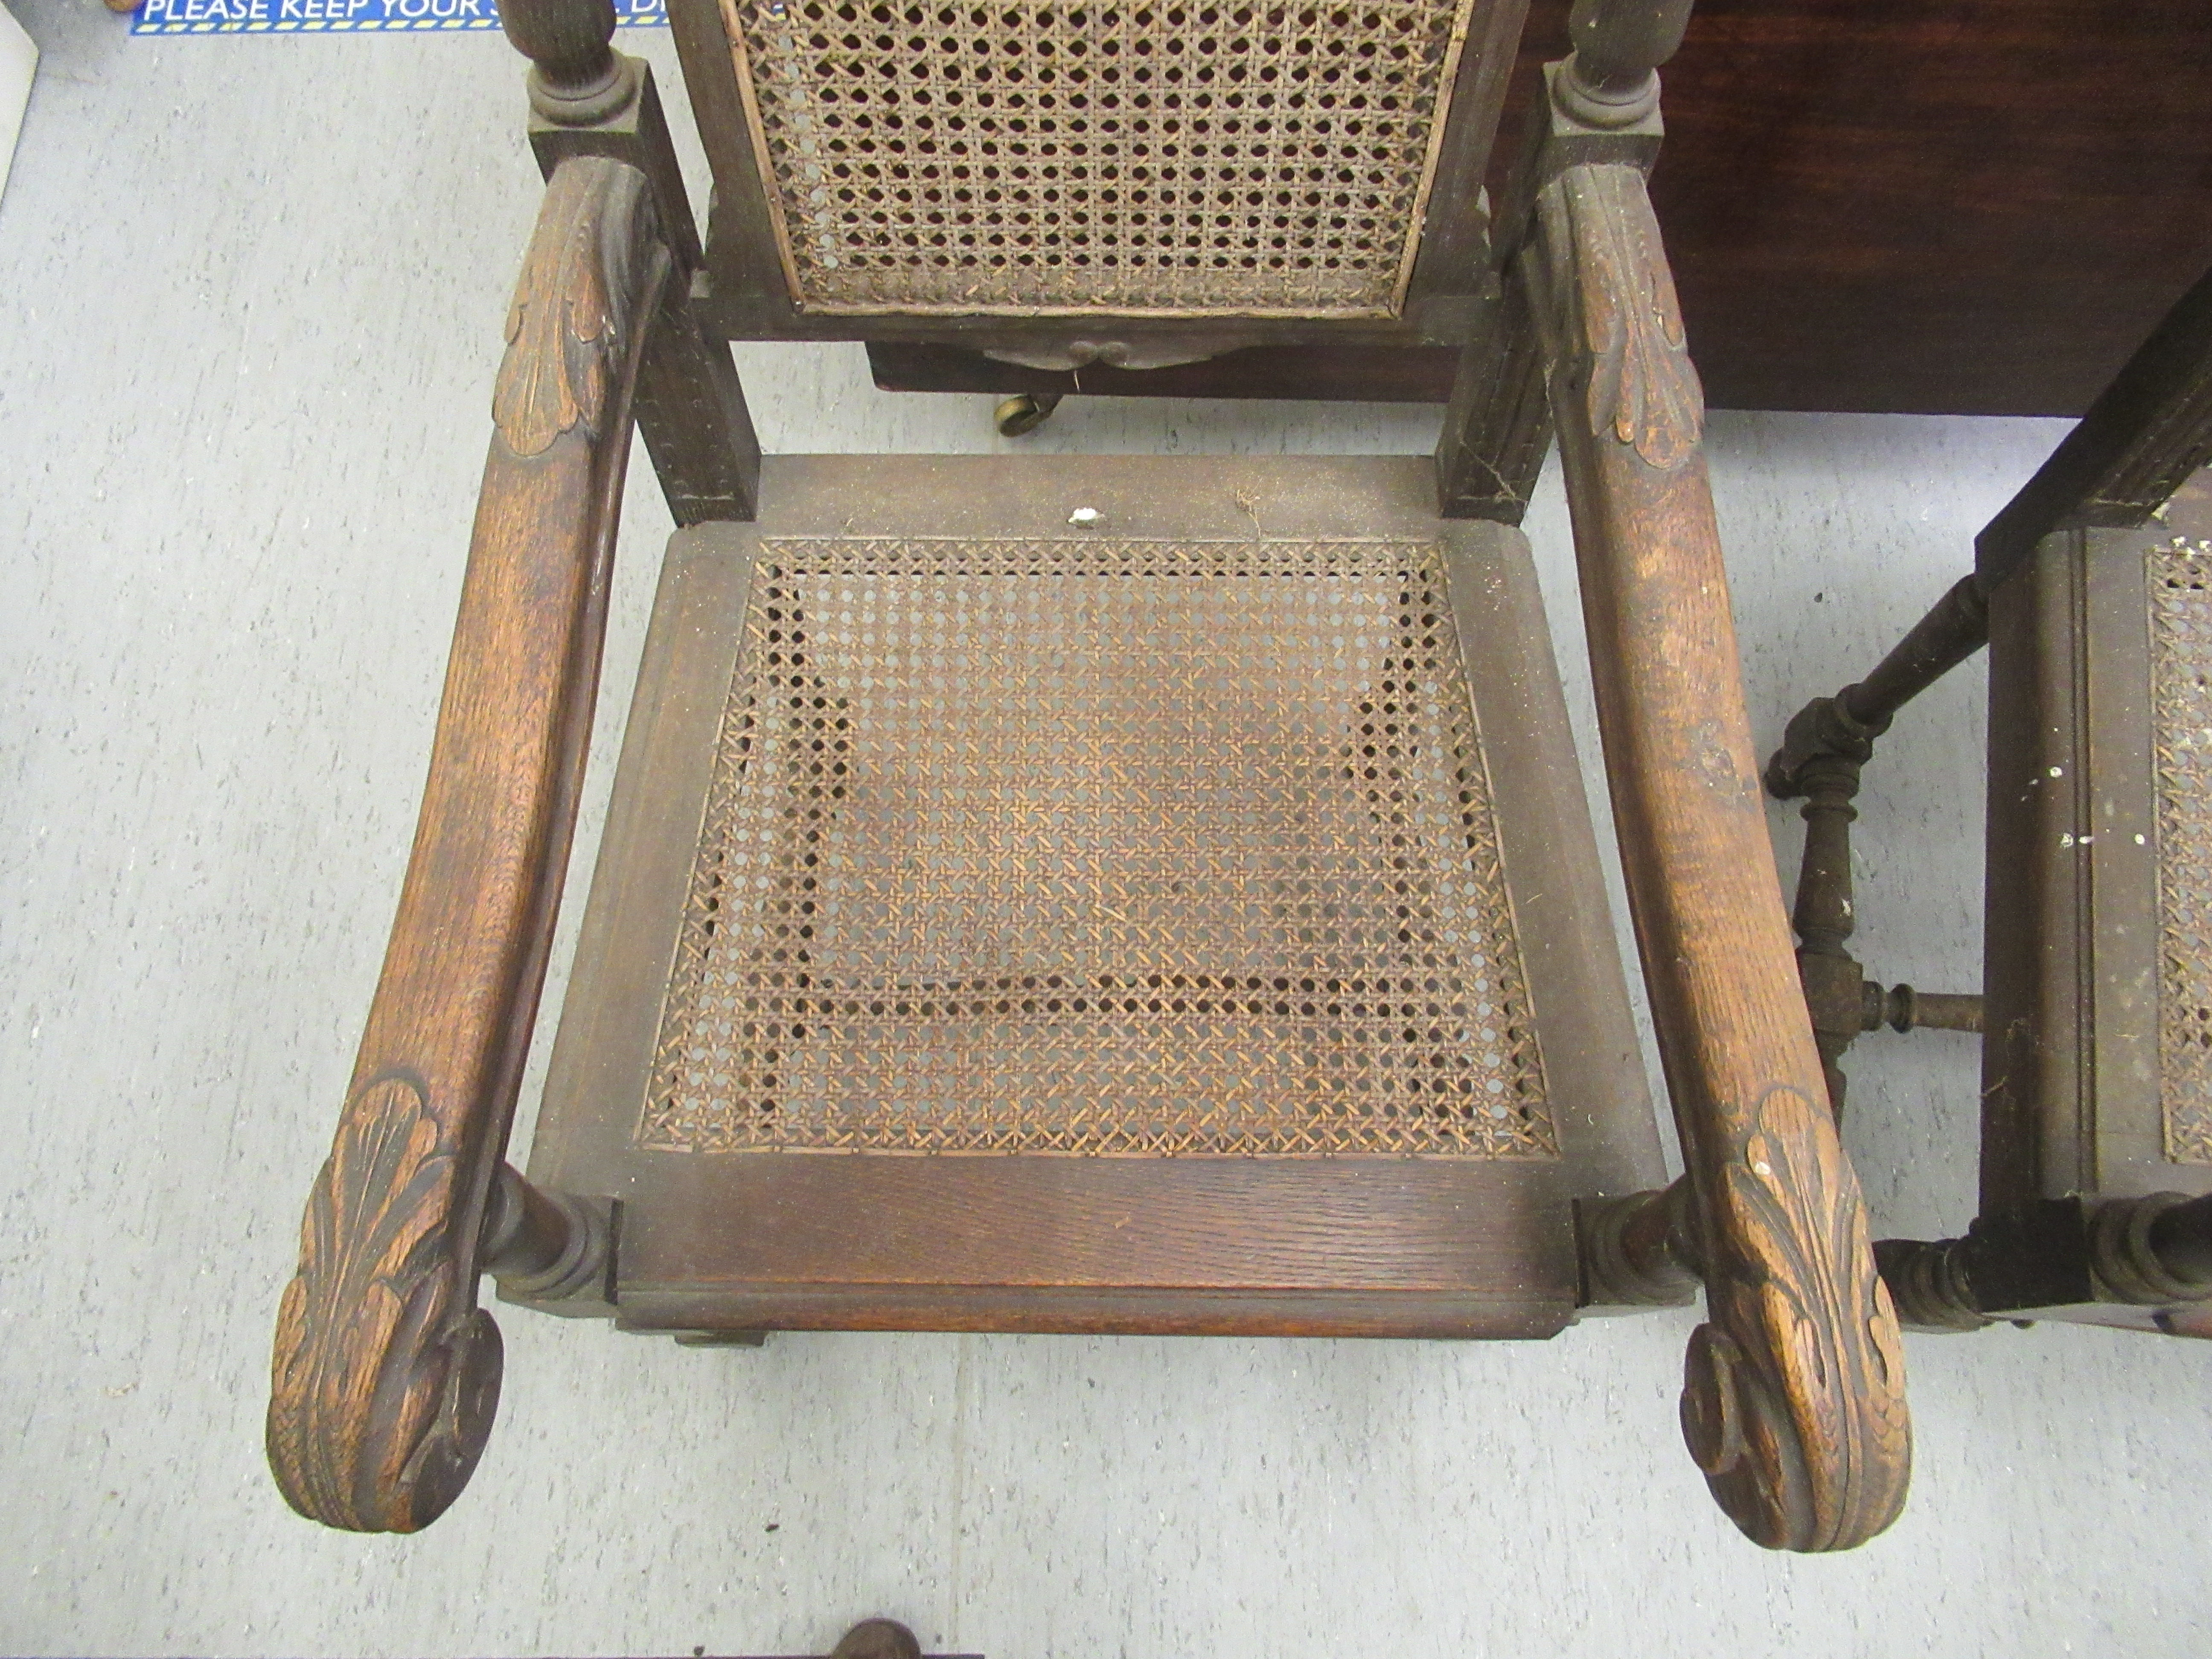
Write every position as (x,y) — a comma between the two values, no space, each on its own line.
(1613,79)
(586,99)
(1602,106)
(576,77)
(1828,742)
(1825,916)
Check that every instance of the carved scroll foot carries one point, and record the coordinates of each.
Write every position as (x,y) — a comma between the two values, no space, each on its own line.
(386,1379)
(1793,1399)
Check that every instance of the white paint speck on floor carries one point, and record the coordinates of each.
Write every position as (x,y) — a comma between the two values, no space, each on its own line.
(251,296)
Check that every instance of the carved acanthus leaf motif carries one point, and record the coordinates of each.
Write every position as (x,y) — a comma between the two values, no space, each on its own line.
(572,311)
(1644,390)
(379,1362)
(386,1374)
(1796,1290)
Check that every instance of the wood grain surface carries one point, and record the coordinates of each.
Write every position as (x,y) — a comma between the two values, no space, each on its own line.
(1794,1402)
(1946,206)
(1341,1247)
(386,1375)
(2146,437)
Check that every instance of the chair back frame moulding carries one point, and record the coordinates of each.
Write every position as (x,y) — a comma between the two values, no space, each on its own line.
(1112,148)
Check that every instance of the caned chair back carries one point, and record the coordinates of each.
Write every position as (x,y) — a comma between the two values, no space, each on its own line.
(1173,161)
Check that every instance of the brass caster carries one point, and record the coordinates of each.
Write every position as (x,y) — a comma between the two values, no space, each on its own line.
(1024,412)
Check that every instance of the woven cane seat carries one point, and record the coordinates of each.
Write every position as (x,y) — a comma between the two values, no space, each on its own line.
(1127,831)
(1096,846)
(2177,578)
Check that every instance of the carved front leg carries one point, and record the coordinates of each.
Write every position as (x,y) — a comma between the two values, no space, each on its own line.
(1794,1403)
(386,1373)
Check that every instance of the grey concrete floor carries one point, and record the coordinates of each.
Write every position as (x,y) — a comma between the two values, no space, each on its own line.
(250,294)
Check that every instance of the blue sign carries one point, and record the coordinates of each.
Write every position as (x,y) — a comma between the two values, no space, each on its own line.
(347,16)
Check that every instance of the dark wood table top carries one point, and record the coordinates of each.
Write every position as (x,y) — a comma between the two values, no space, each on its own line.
(1934,206)
(1969,206)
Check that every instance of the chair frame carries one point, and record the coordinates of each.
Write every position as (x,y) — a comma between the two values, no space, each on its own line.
(387,1372)
(2078,1220)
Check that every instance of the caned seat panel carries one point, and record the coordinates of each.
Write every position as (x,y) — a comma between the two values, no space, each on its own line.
(2177,578)
(1182,918)
(1099,846)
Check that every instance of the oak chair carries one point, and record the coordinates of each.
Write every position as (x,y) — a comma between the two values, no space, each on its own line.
(2092,592)
(1100,894)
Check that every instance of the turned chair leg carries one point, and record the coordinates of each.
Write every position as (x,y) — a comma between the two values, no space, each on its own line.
(1637,1251)
(2154,1251)
(544,1247)
(1825,746)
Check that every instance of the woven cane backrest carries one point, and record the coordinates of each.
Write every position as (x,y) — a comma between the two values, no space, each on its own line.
(1218,158)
